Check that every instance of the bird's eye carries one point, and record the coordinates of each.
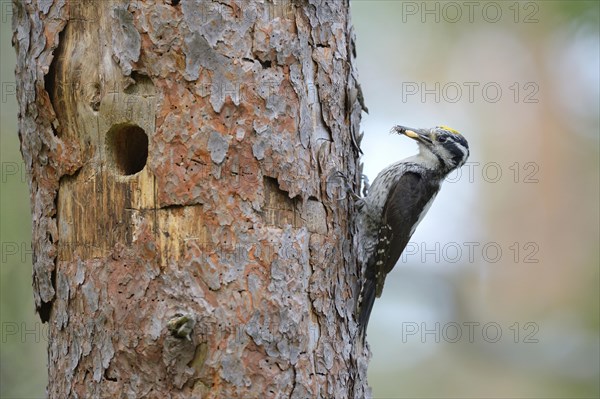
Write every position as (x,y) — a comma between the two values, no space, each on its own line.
(442,139)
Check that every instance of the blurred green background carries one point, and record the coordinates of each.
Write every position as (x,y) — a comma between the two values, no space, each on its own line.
(497,295)
(23,371)
(510,246)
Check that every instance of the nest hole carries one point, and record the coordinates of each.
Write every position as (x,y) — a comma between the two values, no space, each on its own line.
(127,148)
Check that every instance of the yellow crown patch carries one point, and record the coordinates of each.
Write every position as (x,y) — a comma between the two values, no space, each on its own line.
(450,129)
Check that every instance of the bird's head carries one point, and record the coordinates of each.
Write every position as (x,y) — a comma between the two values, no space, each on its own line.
(447,145)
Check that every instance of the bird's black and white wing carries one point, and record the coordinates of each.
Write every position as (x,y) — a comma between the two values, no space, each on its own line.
(408,200)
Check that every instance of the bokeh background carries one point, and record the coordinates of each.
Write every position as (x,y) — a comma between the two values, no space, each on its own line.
(497,295)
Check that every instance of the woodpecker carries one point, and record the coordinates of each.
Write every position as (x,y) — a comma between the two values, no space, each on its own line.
(397,201)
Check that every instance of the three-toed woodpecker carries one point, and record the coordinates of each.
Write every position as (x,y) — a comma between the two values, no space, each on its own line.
(397,201)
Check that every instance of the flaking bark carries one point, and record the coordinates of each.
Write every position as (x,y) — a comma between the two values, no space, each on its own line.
(224,266)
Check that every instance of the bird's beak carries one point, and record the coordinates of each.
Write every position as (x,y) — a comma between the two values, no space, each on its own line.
(421,135)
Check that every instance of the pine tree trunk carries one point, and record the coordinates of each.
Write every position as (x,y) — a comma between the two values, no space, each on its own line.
(188,238)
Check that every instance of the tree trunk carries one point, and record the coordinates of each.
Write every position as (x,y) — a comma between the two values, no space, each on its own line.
(188,238)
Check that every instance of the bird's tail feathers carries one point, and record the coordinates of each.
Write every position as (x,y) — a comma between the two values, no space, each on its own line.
(365,306)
